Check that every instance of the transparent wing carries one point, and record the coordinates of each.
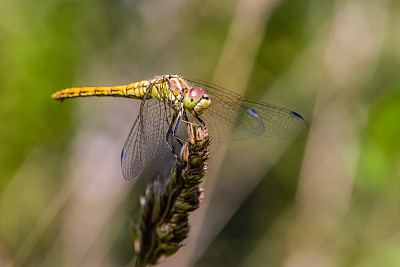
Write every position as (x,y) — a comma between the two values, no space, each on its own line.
(133,156)
(157,121)
(234,117)
(148,137)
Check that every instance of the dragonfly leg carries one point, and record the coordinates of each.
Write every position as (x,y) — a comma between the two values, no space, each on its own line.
(168,136)
(186,120)
(175,121)
(200,120)
(174,124)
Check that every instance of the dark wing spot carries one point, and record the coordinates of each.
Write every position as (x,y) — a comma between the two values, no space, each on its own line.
(252,112)
(296,115)
(122,155)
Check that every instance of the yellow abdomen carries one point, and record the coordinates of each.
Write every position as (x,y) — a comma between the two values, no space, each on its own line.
(134,90)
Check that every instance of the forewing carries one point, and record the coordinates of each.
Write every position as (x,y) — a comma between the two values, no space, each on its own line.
(157,121)
(234,117)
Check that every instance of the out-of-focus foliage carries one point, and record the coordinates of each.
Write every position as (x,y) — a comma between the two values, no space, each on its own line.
(329,199)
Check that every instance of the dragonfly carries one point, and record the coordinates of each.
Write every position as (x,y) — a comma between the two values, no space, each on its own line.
(170,102)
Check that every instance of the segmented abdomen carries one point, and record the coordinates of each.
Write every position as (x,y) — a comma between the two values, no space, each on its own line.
(133,90)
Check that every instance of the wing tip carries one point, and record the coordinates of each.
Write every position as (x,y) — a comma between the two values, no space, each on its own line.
(296,115)
(304,125)
(123,155)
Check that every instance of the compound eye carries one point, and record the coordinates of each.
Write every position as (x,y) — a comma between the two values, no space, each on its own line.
(196,93)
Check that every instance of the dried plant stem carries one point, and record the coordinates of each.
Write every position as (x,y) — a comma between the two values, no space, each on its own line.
(166,205)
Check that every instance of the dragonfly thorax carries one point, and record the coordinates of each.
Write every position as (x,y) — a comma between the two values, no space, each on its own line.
(169,89)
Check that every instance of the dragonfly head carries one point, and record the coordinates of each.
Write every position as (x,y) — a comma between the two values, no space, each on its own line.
(196,100)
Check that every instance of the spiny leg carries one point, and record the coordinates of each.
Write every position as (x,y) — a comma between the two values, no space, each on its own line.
(176,120)
(169,133)
(179,116)
(200,120)
(184,119)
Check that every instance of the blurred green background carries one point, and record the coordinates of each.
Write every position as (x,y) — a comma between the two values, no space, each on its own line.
(331,198)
